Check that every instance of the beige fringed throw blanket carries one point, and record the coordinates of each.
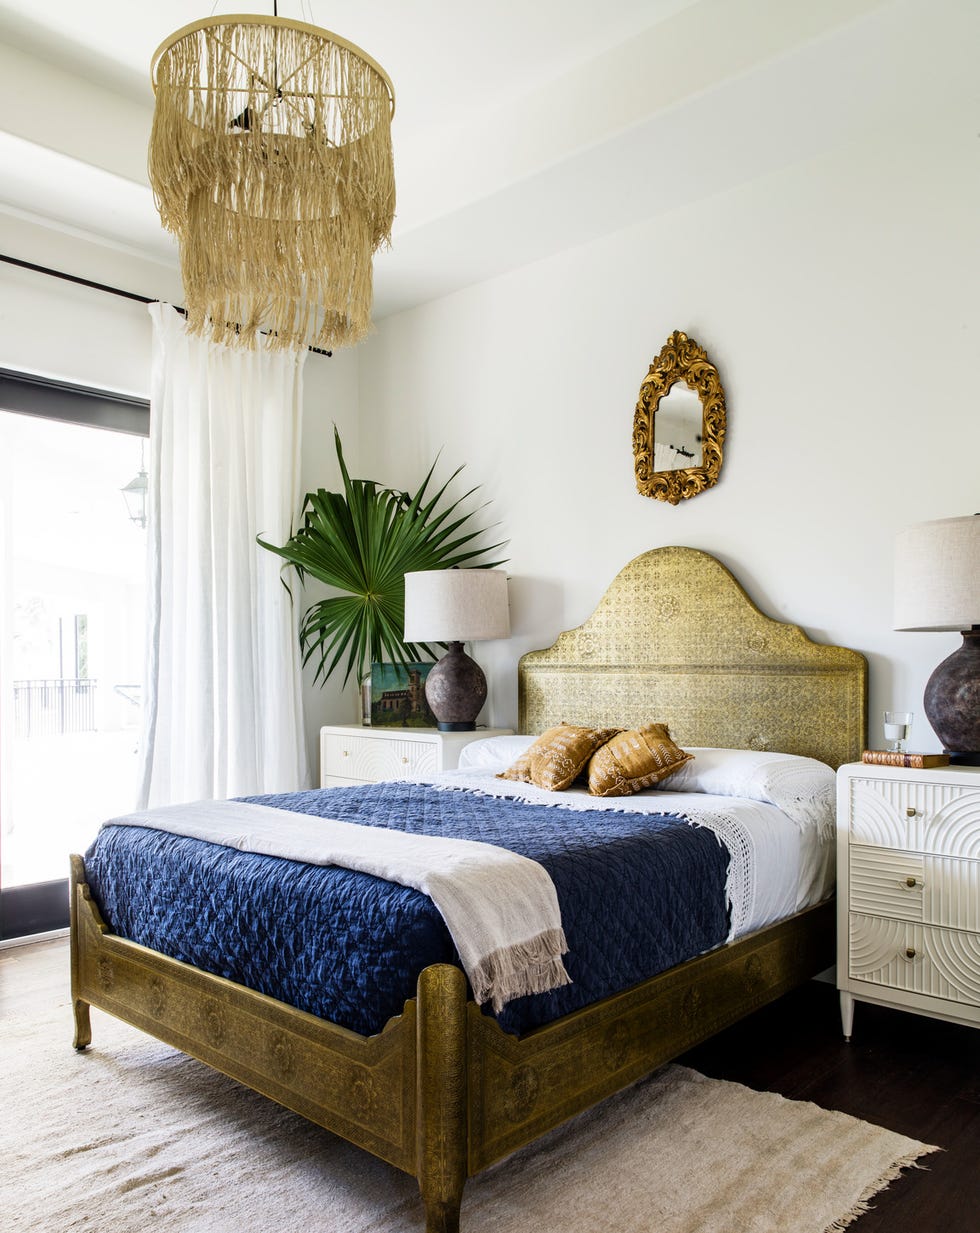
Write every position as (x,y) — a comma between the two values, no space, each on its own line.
(500,908)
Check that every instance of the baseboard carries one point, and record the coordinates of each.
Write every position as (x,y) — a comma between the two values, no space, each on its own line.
(9,943)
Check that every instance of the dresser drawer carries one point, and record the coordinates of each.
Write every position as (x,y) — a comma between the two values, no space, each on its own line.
(364,757)
(919,959)
(886,883)
(936,890)
(926,817)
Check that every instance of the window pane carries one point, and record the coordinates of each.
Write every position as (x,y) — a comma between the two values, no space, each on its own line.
(71,639)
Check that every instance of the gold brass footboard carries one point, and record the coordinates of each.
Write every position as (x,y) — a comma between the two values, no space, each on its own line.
(441,1091)
(361,1088)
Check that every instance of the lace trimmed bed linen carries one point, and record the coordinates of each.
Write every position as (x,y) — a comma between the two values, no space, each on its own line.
(804,789)
(776,811)
(731,831)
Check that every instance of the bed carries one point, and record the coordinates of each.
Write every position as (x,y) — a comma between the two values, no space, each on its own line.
(442,1090)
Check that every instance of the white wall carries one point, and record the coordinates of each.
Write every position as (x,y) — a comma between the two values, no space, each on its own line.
(838,299)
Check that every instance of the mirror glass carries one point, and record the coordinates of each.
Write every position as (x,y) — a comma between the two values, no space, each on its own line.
(677,429)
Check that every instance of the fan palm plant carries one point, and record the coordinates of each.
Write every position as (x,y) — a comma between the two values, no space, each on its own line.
(363,541)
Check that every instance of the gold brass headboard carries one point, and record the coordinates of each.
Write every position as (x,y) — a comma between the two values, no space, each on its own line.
(676,640)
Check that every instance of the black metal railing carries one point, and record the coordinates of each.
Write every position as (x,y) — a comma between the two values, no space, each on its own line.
(54,707)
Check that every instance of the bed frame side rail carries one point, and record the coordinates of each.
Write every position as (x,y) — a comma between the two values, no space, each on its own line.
(521,1087)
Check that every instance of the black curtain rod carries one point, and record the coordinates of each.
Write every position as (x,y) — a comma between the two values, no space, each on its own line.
(87,282)
(82,282)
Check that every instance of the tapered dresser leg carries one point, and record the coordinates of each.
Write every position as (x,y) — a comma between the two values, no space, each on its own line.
(441,1131)
(846,1014)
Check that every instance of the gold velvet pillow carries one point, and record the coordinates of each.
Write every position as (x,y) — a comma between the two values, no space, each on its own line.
(558,756)
(632,761)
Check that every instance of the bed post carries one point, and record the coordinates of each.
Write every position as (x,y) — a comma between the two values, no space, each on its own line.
(441,1146)
(83,1023)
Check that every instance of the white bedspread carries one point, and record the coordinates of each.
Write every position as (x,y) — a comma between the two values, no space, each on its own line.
(500,908)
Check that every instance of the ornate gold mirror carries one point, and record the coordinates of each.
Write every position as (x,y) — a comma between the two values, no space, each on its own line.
(679,424)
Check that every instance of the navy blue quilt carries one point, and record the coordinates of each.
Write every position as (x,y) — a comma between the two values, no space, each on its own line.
(638,894)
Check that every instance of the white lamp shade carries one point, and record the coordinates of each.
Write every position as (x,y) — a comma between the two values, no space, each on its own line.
(937,575)
(456,605)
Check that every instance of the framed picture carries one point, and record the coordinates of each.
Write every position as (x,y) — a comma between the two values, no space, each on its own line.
(398,696)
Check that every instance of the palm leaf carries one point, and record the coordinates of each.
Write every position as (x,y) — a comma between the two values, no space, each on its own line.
(362,542)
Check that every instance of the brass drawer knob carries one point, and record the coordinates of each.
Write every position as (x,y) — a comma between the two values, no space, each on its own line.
(344,753)
(910,881)
(910,812)
(910,952)
(405,758)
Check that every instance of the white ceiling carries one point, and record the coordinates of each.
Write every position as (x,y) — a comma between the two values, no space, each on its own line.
(445,56)
(521,126)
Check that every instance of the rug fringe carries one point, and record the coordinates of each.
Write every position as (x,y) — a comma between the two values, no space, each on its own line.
(864,1204)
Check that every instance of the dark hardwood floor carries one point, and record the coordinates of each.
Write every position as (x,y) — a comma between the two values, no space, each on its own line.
(917,1076)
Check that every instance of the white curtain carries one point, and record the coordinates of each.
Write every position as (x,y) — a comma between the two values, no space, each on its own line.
(222,696)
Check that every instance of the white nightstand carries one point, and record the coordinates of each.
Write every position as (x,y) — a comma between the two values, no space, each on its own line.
(350,753)
(908,890)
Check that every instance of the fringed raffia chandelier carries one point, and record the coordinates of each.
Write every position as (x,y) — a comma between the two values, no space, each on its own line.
(270,161)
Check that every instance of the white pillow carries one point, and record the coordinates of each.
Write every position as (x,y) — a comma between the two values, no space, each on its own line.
(494,753)
(802,788)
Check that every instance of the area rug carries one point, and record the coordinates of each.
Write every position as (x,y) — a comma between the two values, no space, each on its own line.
(133,1136)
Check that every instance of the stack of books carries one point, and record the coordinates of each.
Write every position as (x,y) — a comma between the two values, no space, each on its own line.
(912,761)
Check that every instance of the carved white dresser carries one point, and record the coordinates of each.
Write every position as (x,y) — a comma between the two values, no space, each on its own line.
(908,890)
(352,754)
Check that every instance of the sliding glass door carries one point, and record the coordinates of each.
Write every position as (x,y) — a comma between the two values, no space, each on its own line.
(72,558)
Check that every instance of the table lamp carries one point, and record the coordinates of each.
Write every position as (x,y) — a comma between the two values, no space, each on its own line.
(456,606)
(937,587)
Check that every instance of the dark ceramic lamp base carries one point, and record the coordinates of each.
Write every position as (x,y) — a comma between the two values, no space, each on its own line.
(952,701)
(456,690)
